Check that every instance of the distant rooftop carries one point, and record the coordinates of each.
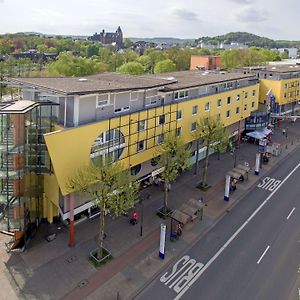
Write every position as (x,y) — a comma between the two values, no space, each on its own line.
(104,82)
(193,78)
(110,82)
(278,68)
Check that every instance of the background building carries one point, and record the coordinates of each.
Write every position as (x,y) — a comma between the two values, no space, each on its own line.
(205,62)
(108,38)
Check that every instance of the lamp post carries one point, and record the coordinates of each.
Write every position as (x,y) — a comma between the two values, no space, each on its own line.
(142,215)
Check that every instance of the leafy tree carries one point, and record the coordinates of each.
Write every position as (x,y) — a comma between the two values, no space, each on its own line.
(145,61)
(109,187)
(130,55)
(91,50)
(210,131)
(127,43)
(173,156)
(69,65)
(164,66)
(131,68)
(116,60)
(155,56)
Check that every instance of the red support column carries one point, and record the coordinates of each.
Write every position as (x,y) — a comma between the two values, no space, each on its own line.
(72,239)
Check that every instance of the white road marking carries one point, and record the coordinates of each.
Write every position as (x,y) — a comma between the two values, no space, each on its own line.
(290,213)
(262,256)
(269,184)
(233,236)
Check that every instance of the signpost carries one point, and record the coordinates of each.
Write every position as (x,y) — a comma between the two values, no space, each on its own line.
(163,229)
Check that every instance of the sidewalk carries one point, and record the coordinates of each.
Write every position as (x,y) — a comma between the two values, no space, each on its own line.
(54,271)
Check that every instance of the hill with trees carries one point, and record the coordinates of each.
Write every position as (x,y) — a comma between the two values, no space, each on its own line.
(250,40)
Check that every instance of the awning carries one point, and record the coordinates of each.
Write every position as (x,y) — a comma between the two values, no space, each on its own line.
(259,134)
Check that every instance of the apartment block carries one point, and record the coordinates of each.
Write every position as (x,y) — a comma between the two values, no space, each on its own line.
(63,123)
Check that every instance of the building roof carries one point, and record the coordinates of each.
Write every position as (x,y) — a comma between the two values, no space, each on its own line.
(284,68)
(193,78)
(109,82)
(105,82)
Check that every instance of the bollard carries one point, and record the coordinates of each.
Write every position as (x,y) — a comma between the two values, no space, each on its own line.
(286,146)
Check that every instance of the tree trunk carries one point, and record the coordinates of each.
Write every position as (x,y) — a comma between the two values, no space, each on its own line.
(197,158)
(166,190)
(206,164)
(219,154)
(101,232)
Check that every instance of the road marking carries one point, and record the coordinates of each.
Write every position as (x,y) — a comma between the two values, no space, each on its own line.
(290,213)
(234,236)
(262,256)
(269,184)
(178,279)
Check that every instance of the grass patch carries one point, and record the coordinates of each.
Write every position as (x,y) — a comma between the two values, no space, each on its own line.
(164,214)
(203,187)
(97,263)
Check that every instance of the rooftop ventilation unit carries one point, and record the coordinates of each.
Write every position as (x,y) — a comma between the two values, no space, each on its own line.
(82,79)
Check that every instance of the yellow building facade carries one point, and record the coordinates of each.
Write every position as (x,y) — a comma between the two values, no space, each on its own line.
(126,117)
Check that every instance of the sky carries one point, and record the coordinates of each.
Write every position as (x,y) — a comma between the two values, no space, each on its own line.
(153,18)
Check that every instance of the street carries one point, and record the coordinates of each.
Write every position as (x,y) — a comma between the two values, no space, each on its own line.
(252,253)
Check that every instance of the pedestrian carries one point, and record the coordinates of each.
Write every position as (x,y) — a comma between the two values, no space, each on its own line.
(283,131)
(200,200)
(135,218)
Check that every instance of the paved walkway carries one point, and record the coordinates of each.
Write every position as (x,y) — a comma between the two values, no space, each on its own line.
(55,271)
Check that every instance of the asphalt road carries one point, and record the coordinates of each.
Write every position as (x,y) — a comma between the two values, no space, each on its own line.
(252,253)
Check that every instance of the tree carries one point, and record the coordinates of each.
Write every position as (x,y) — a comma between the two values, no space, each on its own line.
(127,43)
(173,156)
(91,50)
(145,61)
(131,68)
(210,131)
(164,66)
(109,187)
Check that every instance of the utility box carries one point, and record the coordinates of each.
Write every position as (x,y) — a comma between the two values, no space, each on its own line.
(274,149)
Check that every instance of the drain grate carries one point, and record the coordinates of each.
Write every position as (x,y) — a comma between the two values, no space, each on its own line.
(71,259)
(83,283)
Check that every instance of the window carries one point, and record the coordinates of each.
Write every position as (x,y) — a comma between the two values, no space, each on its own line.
(228,100)
(160,139)
(140,146)
(141,125)
(133,96)
(237,110)
(207,106)
(178,131)
(117,110)
(285,85)
(193,126)
(227,113)
(238,97)
(284,95)
(178,114)
(181,94)
(246,95)
(253,93)
(245,107)
(102,100)
(219,103)
(136,169)
(252,104)
(218,117)
(161,120)
(195,110)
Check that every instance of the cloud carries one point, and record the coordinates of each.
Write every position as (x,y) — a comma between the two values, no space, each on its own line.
(47,12)
(185,14)
(1,1)
(251,15)
(242,1)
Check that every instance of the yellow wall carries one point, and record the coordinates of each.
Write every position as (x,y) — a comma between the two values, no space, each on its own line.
(280,91)
(51,197)
(70,149)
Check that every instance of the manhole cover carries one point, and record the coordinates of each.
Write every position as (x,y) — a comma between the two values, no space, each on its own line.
(82,283)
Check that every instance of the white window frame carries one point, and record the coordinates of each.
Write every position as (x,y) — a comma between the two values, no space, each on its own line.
(137,146)
(122,109)
(218,106)
(237,110)
(193,130)
(238,97)
(145,125)
(205,108)
(246,95)
(177,119)
(194,113)
(107,100)
(245,106)
(185,94)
